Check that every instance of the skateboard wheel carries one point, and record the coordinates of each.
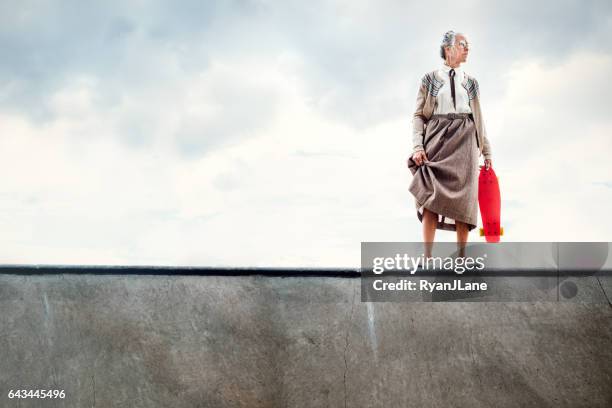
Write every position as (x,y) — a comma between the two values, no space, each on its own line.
(501,231)
(482,232)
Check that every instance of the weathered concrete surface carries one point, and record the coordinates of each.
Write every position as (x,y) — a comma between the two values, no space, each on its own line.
(156,341)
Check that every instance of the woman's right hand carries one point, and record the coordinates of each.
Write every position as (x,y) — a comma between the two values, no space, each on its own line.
(419,157)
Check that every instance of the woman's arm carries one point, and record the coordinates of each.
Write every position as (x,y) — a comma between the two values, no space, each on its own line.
(419,120)
(486,145)
(486,152)
(486,148)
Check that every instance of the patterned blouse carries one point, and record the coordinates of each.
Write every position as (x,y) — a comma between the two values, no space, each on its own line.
(445,101)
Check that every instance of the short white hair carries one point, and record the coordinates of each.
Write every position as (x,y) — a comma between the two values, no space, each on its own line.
(448,40)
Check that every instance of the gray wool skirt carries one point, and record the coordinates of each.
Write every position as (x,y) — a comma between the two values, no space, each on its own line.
(448,183)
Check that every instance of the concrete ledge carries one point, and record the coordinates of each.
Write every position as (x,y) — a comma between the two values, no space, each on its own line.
(257,341)
(174,270)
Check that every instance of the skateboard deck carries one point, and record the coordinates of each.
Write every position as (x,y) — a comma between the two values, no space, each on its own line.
(489,200)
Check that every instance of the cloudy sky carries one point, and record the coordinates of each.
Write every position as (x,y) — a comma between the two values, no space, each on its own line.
(275,133)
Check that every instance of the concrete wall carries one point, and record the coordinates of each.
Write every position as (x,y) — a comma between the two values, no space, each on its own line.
(253,341)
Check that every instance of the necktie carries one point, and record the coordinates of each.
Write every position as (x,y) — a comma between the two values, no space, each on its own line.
(452,82)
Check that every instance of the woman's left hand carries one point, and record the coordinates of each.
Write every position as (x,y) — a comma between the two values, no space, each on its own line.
(488,164)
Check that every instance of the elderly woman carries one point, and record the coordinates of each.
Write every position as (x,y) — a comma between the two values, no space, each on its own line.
(448,137)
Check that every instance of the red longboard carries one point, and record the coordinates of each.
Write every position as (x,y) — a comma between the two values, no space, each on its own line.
(489,201)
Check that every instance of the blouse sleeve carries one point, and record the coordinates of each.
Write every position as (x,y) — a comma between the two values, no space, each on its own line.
(418,119)
(486,145)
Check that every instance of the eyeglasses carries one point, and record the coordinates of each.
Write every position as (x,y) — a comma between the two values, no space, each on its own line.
(464,44)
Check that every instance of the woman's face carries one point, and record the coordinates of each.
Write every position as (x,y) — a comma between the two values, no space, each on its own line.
(458,53)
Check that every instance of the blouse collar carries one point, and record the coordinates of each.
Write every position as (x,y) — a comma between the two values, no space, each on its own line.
(445,69)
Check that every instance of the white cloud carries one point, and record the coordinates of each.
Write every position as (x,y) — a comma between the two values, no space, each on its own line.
(275,134)
(551,139)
